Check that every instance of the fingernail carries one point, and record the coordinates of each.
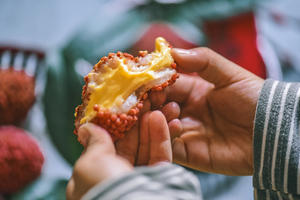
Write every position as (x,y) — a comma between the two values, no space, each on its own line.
(84,134)
(183,51)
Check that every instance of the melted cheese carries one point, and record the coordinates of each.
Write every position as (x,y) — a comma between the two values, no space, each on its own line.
(119,80)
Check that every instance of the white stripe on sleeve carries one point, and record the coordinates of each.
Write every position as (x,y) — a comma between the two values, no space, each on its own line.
(265,133)
(277,133)
(289,145)
(279,195)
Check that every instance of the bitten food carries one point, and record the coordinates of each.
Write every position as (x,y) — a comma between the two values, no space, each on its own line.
(115,89)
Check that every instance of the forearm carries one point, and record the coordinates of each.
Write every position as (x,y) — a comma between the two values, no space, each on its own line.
(168,182)
(276,142)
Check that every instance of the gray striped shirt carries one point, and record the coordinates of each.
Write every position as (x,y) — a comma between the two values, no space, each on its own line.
(276,142)
(161,182)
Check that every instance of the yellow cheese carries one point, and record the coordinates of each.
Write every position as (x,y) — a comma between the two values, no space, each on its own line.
(120,81)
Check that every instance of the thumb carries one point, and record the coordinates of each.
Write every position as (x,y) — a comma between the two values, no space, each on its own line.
(209,65)
(91,135)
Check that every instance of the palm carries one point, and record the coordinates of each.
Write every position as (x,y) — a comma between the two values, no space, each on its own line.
(217,127)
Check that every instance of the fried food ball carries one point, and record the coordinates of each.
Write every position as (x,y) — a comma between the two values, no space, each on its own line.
(16,95)
(115,89)
(21,159)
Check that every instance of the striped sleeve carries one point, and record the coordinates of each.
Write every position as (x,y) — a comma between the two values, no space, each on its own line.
(277,142)
(161,182)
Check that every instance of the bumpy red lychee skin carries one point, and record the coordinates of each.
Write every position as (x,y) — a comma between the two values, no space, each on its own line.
(16,95)
(117,124)
(21,159)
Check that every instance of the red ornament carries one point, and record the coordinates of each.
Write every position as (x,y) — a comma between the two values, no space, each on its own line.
(21,159)
(16,95)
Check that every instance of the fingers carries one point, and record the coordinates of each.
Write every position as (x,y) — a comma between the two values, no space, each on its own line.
(143,153)
(128,146)
(171,111)
(91,135)
(155,144)
(197,150)
(146,107)
(209,65)
(191,150)
(190,124)
(180,154)
(159,136)
(70,189)
(175,128)
(157,99)
(178,92)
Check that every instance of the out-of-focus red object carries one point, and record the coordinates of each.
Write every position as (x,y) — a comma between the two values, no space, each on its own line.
(21,159)
(17,95)
(235,38)
(155,30)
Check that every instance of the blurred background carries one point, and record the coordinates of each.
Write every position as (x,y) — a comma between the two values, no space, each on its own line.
(57,42)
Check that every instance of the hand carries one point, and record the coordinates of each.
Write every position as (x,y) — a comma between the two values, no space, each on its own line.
(149,141)
(215,130)
(100,162)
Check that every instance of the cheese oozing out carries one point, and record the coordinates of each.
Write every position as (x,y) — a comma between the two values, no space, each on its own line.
(119,83)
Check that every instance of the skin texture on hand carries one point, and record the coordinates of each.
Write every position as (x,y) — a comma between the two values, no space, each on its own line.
(148,143)
(217,109)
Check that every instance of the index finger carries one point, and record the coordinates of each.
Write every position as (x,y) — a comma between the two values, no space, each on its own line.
(178,92)
(209,65)
(159,136)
